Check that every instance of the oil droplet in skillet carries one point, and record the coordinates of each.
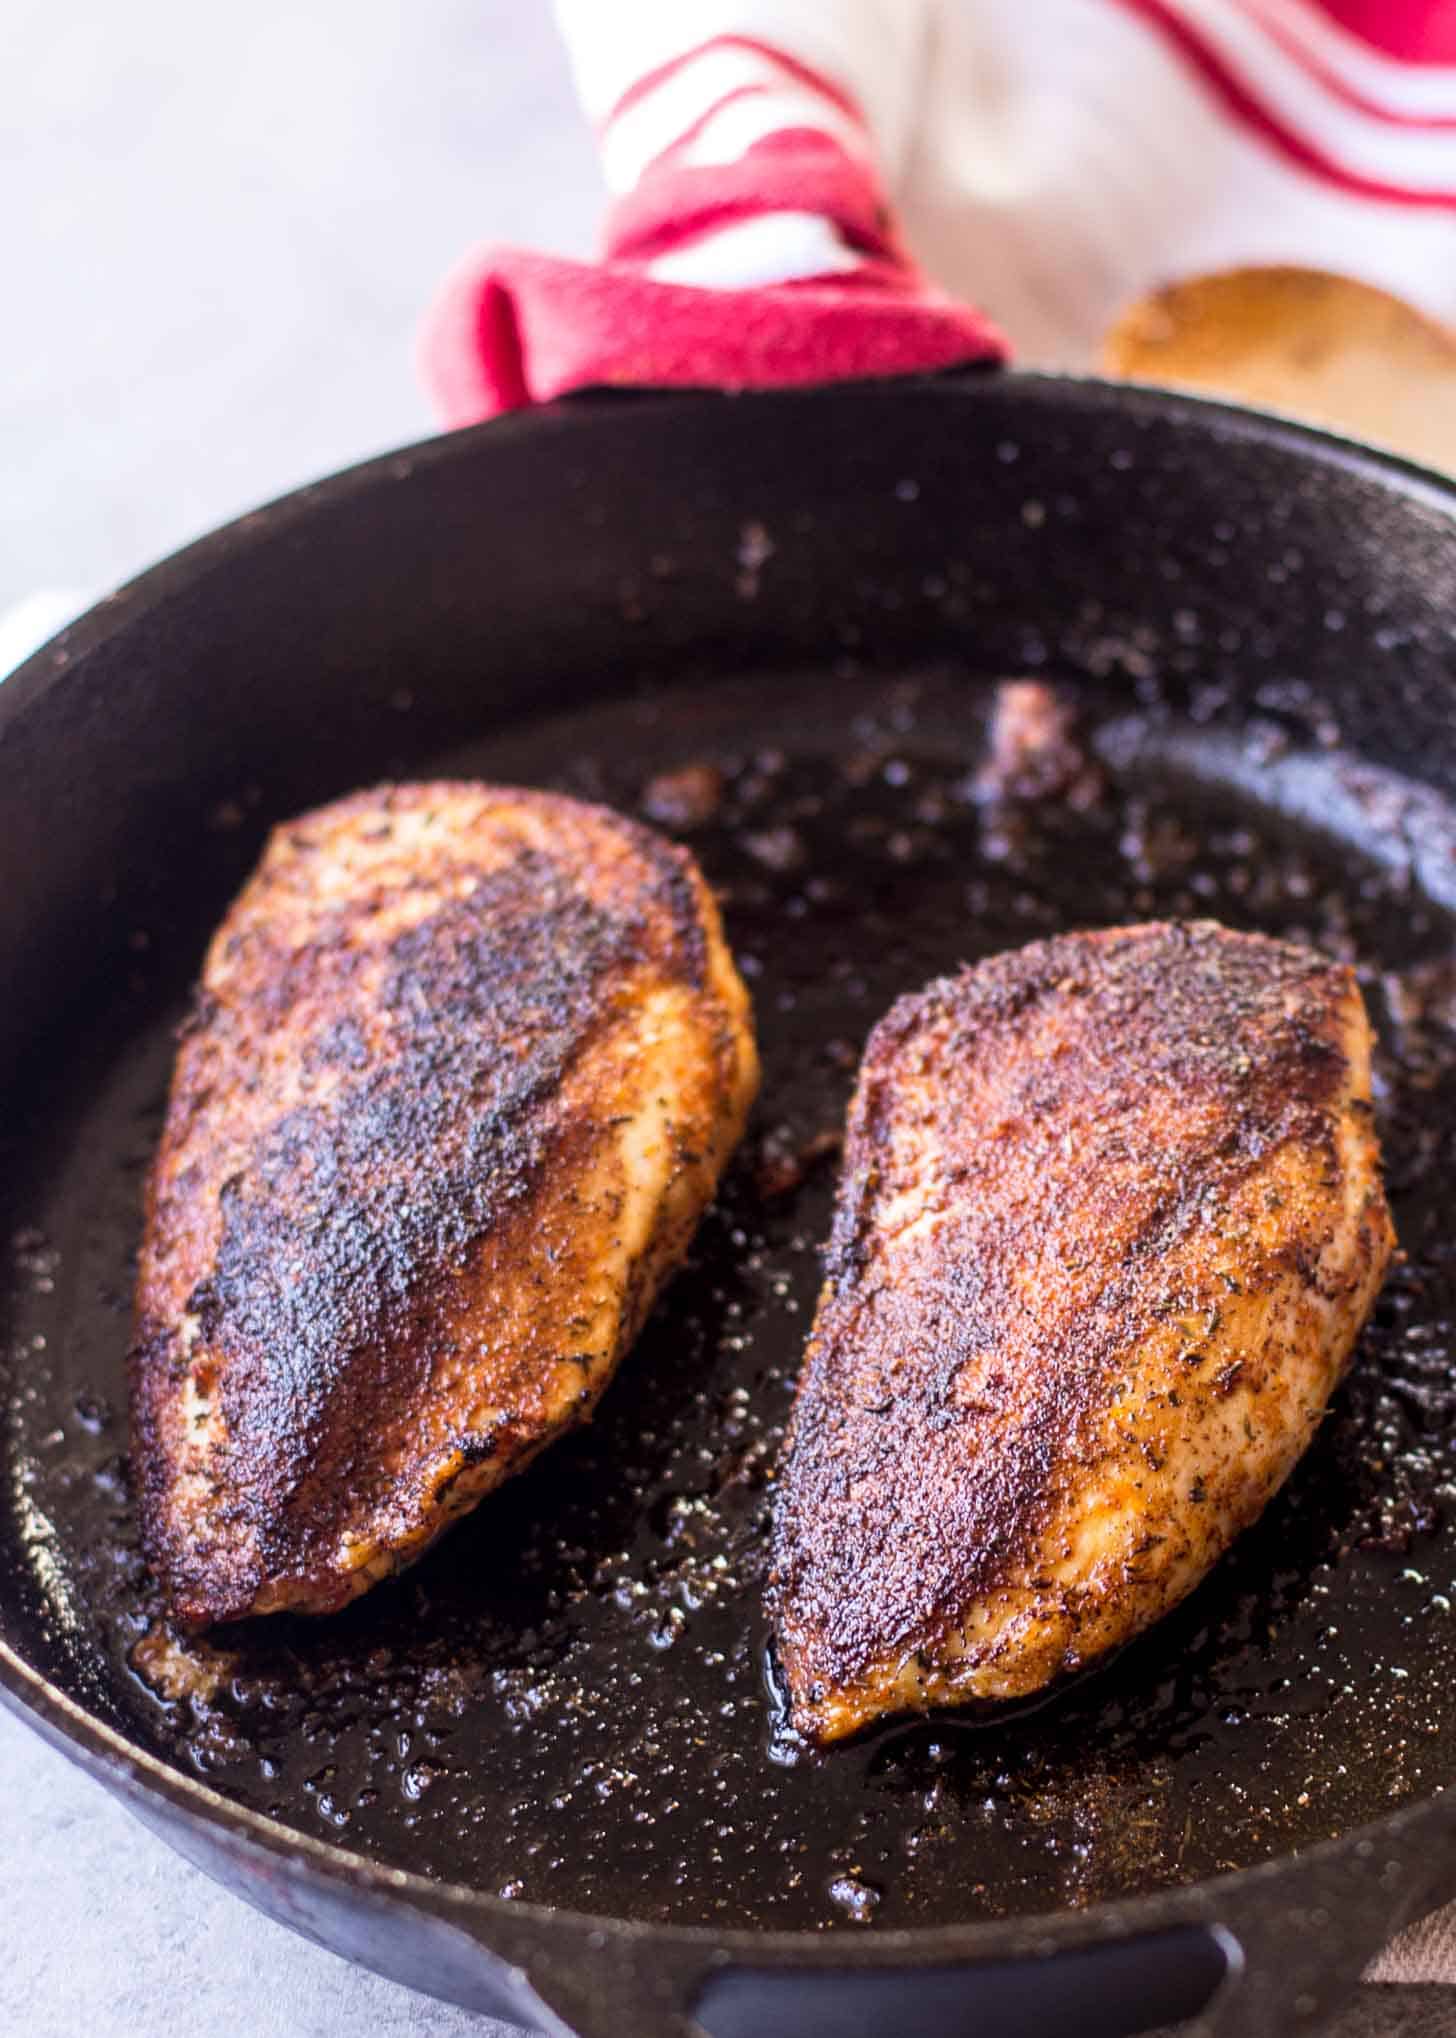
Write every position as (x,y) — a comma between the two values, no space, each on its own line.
(783,1743)
(856,1898)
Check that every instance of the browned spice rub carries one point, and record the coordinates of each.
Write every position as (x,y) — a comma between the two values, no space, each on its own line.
(1110,1222)
(464,1068)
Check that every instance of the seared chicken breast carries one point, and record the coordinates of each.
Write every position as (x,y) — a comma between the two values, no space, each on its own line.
(1110,1221)
(464,1068)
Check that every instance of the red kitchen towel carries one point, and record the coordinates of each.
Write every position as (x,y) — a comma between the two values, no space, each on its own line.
(780,265)
(787,177)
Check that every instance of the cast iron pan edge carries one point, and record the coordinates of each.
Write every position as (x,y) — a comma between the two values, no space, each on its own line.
(1244,1953)
(1266,1924)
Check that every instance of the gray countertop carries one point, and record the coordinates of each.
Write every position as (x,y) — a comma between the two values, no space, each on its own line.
(227,225)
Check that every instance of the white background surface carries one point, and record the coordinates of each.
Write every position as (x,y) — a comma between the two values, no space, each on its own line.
(220,227)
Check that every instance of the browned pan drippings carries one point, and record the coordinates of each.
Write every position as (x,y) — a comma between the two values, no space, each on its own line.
(568,1700)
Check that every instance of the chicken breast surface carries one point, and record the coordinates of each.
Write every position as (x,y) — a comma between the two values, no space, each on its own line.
(1110,1221)
(465,1066)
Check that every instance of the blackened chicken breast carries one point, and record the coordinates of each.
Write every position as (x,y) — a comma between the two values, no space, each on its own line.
(1110,1221)
(465,1066)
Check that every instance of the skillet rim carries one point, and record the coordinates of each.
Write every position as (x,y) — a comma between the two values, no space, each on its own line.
(138,1775)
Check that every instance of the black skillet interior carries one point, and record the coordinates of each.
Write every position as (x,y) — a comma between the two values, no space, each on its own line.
(812,596)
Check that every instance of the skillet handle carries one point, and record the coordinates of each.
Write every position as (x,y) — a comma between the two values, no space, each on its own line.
(1109,1989)
(1117,1989)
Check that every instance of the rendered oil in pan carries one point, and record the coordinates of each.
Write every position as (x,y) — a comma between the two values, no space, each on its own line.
(568,1700)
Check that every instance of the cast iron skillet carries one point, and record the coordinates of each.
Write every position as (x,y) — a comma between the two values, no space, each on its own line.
(543,1775)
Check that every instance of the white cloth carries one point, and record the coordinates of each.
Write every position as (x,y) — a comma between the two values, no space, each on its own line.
(1050,160)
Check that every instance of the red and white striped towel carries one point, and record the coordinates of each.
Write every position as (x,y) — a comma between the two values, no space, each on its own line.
(788,176)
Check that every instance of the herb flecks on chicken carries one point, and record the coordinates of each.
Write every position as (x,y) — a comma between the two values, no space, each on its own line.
(1110,1222)
(465,1066)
